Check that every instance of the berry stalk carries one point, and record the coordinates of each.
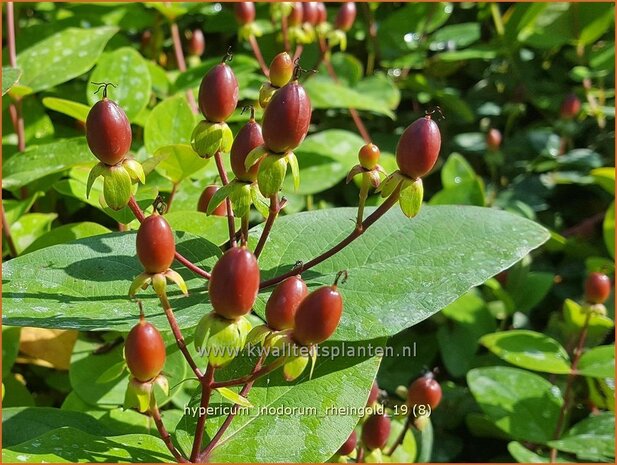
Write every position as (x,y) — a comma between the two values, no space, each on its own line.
(364,187)
(156,416)
(230,212)
(175,35)
(273,213)
(401,436)
(258,55)
(206,392)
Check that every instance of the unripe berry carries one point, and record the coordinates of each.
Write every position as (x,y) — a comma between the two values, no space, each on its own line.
(349,445)
(296,16)
(570,107)
(493,139)
(346,16)
(597,288)
(318,316)
(424,391)
(418,147)
(375,431)
(204,201)
(248,138)
(284,302)
(197,43)
(108,132)
(245,12)
(281,69)
(234,283)
(144,351)
(218,93)
(369,156)
(156,247)
(373,395)
(310,12)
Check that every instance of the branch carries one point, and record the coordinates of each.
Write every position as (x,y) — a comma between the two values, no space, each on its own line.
(284,30)
(230,213)
(401,437)
(257,52)
(175,35)
(156,416)
(253,376)
(298,52)
(206,391)
(273,213)
(357,232)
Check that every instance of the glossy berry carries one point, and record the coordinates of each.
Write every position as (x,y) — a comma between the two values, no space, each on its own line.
(318,316)
(248,138)
(284,302)
(349,445)
(281,69)
(369,156)
(418,147)
(597,288)
(375,431)
(346,16)
(373,395)
(245,12)
(155,244)
(204,201)
(234,283)
(296,15)
(493,139)
(287,118)
(144,351)
(218,93)
(570,106)
(108,132)
(424,391)
(322,13)
(197,43)
(310,12)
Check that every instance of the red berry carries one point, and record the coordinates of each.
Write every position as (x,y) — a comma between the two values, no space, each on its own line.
(287,118)
(597,288)
(283,303)
(144,351)
(570,107)
(296,16)
(418,147)
(281,69)
(248,138)
(493,139)
(234,283)
(197,43)
(424,391)
(349,445)
(369,156)
(322,13)
(375,431)
(155,244)
(345,17)
(204,201)
(310,12)
(373,395)
(108,132)
(318,316)
(245,12)
(218,93)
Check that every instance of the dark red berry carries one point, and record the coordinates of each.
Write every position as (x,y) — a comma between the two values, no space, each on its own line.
(296,16)
(570,106)
(144,351)
(218,93)
(146,38)
(375,431)
(424,391)
(418,147)
(245,12)
(493,139)
(318,316)
(322,13)
(281,69)
(373,395)
(155,244)
(287,118)
(597,288)
(248,138)
(349,445)
(234,283)
(310,12)
(108,132)
(197,43)
(346,16)
(204,201)
(369,156)
(283,303)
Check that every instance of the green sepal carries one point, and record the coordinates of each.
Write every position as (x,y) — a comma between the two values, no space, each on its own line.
(135,170)
(175,277)
(249,29)
(234,397)
(266,91)
(160,388)
(260,202)
(280,9)
(271,174)
(258,335)
(142,280)
(227,138)
(410,200)
(116,187)
(356,170)
(220,339)
(295,169)
(97,170)
(241,198)
(138,395)
(374,456)
(391,183)
(294,367)
(338,37)
(313,361)
(159,284)
(219,197)
(208,138)
(254,156)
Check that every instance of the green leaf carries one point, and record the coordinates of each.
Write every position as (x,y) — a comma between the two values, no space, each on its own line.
(10,349)
(42,160)
(242,65)
(608,229)
(380,87)
(234,397)
(529,349)
(10,76)
(456,170)
(67,233)
(170,122)
(179,162)
(62,57)
(16,394)
(69,445)
(30,227)
(523,455)
(129,72)
(522,404)
(592,439)
(15,209)
(76,110)
(213,228)
(598,362)
(605,178)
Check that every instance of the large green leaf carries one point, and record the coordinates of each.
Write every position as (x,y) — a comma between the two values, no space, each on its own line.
(67,233)
(76,110)
(170,122)
(213,228)
(9,77)
(522,404)
(592,439)
(62,57)
(179,161)
(598,362)
(529,349)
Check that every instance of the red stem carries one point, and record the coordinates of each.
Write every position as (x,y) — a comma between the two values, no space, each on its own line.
(206,392)
(357,232)
(172,194)
(273,213)
(230,213)
(258,55)
(175,35)
(284,30)
(156,416)
(298,52)
(401,437)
